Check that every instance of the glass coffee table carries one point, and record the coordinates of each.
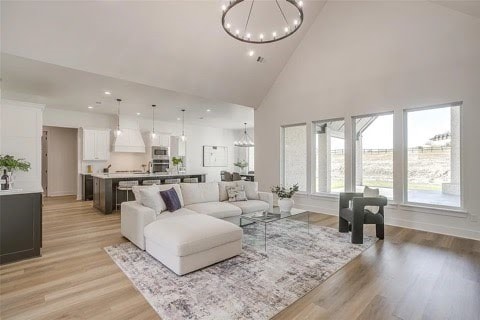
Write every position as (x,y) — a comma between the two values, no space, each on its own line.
(265,217)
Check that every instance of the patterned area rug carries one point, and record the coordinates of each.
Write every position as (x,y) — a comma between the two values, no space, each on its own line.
(254,285)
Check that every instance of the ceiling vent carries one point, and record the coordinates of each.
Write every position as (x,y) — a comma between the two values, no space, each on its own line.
(260,59)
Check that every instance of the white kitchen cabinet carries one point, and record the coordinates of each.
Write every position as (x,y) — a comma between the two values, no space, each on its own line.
(96,144)
(161,140)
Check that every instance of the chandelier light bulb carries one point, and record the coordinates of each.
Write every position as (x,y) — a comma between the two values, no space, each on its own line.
(224,7)
(300,3)
(286,29)
(228,25)
(248,35)
(274,34)
(295,22)
(154,135)
(237,32)
(251,53)
(118,132)
(261,36)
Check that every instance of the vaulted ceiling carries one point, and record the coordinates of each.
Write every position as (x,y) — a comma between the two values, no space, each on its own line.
(174,45)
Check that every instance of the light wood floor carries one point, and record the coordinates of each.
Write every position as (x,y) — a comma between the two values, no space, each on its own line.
(410,275)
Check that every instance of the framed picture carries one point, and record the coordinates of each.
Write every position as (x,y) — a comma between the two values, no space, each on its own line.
(215,156)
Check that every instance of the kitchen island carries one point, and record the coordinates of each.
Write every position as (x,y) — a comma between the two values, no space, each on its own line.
(105,186)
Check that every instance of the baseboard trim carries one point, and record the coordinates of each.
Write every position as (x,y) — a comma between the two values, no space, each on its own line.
(415,225)
(61,193)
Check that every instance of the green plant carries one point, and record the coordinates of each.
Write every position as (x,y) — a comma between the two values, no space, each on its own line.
(241,164)
(176,161)
(11,163)
(284,193)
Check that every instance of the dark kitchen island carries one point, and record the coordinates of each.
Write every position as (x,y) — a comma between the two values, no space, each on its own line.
(105,185)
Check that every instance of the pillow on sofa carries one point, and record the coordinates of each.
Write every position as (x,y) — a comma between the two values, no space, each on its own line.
(236,194)
(222,186)
(199,192)
(171,199)
(251,189)
(150,197)
(163,187)
(371,193)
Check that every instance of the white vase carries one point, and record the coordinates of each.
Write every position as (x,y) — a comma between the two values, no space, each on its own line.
(10,180)
(285,204)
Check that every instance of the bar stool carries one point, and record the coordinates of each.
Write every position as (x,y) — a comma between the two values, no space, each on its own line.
(124,186)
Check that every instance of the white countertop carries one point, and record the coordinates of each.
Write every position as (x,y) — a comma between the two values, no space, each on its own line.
(142,175)
(19,191)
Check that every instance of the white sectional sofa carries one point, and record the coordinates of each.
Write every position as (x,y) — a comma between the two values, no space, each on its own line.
(202,232)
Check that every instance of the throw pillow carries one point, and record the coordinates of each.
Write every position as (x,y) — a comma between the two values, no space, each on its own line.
(371,193)
(251,189)
(163,187)
(151,198)
(222,187)
(170,197)
(236,194)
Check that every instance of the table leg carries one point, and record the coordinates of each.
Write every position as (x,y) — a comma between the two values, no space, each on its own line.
(265,247)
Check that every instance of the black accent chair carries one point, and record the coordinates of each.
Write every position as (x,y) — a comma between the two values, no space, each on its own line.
(353,218)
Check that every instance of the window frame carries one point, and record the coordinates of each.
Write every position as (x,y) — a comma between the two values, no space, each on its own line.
(282,154)
(313,157)
(354,148)
(405,201)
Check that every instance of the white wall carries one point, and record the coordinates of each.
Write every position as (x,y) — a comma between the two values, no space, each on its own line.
(21,132)
(197,137)
(366,57)
(62,161)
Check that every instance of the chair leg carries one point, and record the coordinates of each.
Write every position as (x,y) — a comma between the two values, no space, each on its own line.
(380,231)
(357,233)
(342,225)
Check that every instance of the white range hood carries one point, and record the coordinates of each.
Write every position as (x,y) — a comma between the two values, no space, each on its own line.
(130,140)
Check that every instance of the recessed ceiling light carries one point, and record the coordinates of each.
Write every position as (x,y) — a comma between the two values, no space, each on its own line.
(90,107)
(208,110)
(108,93)
(138,113)
(178,119)
(251,53)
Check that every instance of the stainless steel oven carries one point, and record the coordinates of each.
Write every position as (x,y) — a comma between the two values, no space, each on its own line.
(160,153)
(160,165)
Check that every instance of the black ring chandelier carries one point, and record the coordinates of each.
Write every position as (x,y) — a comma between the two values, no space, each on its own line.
(245,36)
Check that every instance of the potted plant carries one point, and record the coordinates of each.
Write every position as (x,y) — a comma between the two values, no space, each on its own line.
(177,161)
(285,201)
(12,164)
(242,164)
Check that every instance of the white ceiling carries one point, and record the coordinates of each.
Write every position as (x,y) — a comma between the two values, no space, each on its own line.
(470,7)
(64,88)
(174,45)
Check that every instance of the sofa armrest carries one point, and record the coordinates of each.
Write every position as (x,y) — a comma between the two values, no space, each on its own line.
(267,197)
(134,218)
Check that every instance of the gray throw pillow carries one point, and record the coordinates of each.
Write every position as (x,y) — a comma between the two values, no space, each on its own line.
(236,194)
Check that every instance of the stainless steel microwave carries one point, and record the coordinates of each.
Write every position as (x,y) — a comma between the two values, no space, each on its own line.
(160,153)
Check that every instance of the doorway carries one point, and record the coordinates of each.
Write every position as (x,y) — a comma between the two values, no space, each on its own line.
(59,161)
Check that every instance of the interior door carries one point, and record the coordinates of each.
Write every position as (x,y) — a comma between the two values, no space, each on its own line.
(45,163)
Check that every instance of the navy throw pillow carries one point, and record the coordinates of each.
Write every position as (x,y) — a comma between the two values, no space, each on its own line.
(170,197)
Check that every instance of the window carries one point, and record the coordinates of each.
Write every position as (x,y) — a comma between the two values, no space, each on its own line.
(295,156)
(433,156)
(373,152)
(329,139)
(251,158)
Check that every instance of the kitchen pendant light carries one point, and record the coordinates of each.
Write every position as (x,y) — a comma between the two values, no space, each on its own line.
(183,137)
(245,141)
(153,122)
(118,131)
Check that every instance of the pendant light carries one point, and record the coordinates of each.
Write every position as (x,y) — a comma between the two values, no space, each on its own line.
(118,131)
(153,122)
(245,141)
(183,137)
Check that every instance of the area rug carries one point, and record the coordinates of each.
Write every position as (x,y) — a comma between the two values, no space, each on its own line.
(254,285)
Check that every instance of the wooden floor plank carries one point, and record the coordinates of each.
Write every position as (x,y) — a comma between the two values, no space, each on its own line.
(411,275)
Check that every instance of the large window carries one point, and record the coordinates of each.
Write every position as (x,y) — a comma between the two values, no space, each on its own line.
(295,156)
(329,139)
(373,151)
(433,156)
(251,159)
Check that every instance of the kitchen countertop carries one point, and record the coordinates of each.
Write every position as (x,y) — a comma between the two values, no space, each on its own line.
(19,191)
(142,175)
